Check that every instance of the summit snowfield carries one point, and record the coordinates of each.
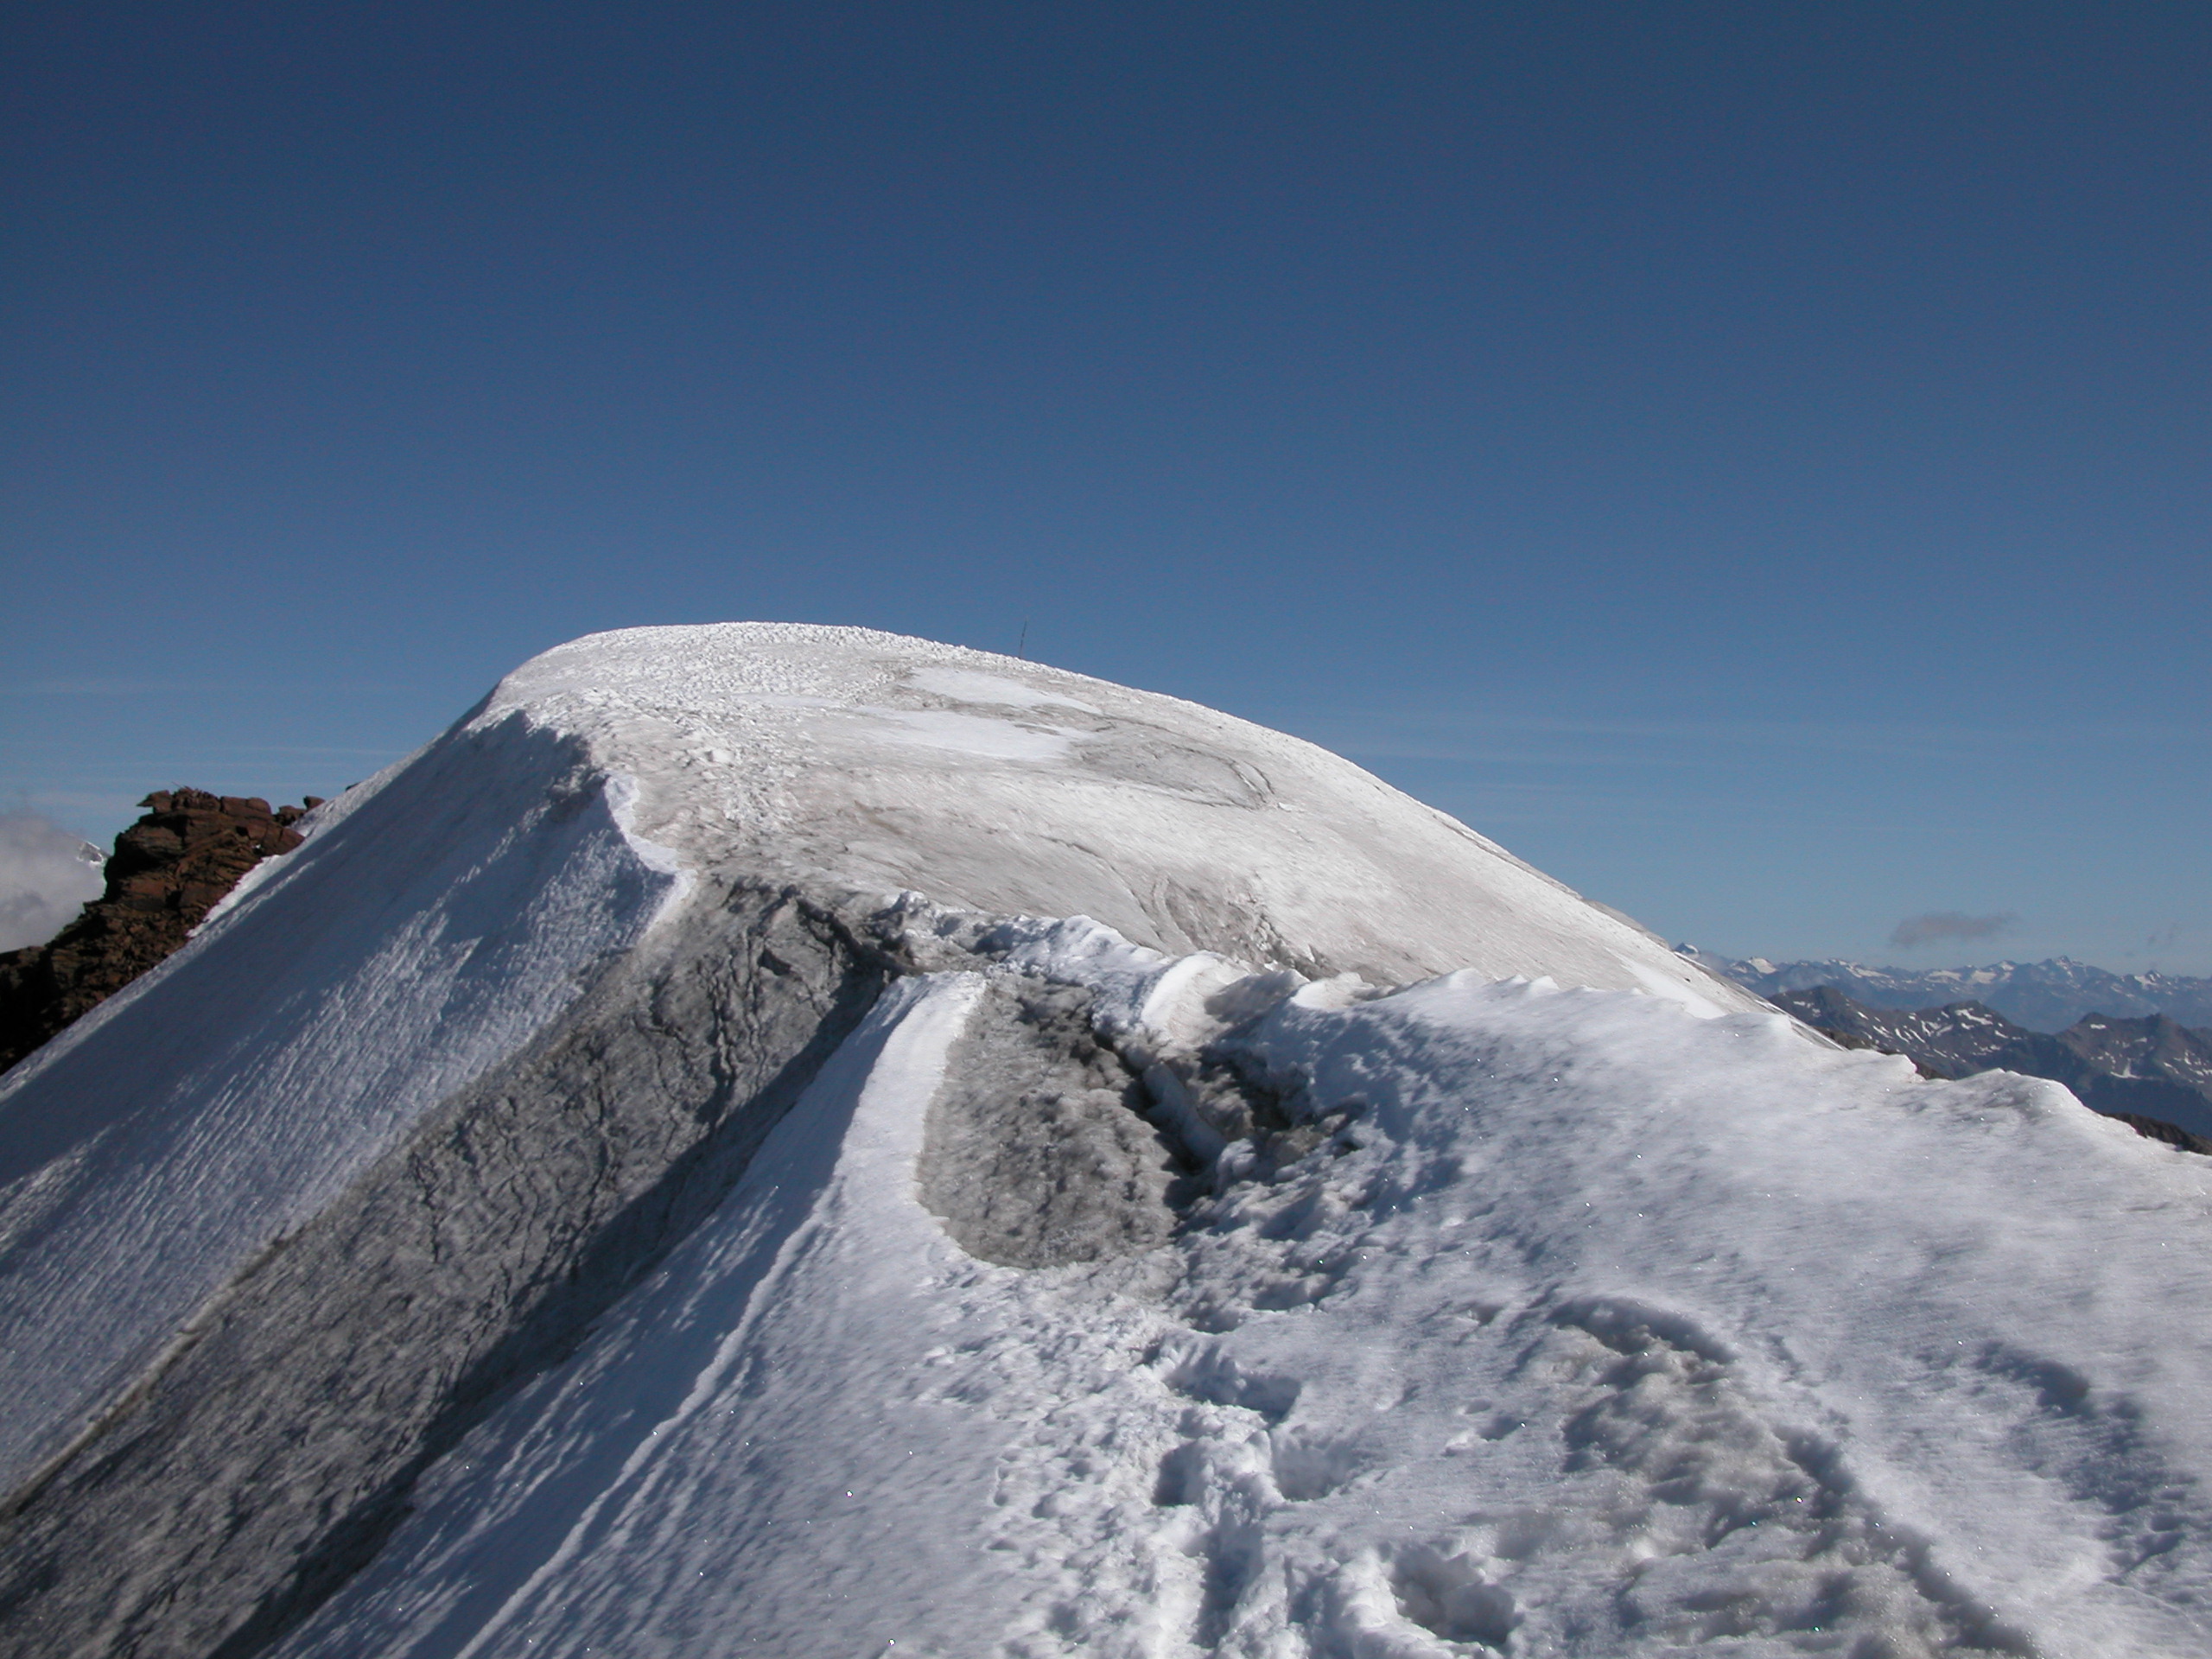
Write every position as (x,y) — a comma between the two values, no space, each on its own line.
(864,761)
(791,1141)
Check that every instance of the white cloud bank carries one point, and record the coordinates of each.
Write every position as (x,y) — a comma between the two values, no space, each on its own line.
(46,873)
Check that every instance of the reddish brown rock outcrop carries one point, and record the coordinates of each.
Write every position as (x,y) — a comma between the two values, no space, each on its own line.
(167,871)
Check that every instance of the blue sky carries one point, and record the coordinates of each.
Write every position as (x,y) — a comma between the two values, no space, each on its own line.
(1751,460)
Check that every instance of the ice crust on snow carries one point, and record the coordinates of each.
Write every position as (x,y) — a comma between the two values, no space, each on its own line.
(1256,1216)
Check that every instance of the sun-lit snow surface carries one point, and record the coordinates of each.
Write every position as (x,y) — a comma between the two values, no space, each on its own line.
(1592,1327)
(442,916)
(1568,1321)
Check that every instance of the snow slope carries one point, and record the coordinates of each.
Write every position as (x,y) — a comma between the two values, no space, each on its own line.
(152,1150)
(1589,1327)
(799,1142)
(153,1153)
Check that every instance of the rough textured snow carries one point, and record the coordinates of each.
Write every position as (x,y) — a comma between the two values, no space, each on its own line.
(138,1172)
(776,1217)
(1584,1327)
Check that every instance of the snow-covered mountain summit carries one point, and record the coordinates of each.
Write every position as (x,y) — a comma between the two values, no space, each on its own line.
(845,758)
(800,1142)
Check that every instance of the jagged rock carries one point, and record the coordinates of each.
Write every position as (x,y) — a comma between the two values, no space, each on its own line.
(2152,1047)
(167,871)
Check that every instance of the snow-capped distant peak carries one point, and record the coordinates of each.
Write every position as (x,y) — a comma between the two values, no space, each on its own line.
(2048,995)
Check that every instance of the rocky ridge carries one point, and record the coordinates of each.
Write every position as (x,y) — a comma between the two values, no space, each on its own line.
(167,871)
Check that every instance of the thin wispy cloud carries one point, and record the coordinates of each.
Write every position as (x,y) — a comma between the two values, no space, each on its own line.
(1940,926)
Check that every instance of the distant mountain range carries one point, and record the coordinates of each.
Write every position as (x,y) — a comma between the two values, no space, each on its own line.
(2043,996)
(2152,1072)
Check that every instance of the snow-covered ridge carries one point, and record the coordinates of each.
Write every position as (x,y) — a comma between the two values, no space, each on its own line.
(1540,1346)
(819,1143)
(140,1171)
